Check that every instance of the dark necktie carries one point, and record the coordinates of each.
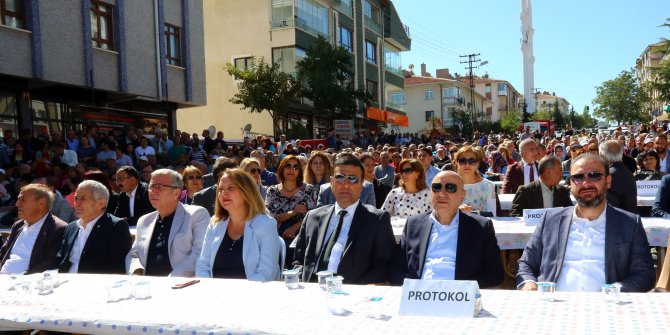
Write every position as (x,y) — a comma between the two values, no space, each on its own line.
(532,173)
(325,257)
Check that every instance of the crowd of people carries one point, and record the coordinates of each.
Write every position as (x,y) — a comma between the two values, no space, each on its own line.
(206,208)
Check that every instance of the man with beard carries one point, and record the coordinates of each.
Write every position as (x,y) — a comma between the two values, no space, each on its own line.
(584,246)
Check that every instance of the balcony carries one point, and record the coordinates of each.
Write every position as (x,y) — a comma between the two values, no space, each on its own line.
(453,101)
(393,69)
(372,25)
(398,107)
(344,9)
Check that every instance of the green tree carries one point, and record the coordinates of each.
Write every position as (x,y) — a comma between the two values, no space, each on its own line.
(662,83)
(621,99)
(462,122)
(541,115)
(327,78)
(572,116)
(511,121)
(557,116)
(264,87)
(526,116)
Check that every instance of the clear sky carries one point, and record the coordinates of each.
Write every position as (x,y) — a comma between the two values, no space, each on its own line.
(578,44)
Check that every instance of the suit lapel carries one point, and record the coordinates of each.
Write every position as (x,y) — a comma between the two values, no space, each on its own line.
(14,236)
(326,213)
(563,232)
(42,239)
(423,233)
(356,225)
(612,233)
(177,223)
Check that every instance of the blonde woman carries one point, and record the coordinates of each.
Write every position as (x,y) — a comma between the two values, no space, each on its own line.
(253,167)
(479,192)
(413,196)
(241,241)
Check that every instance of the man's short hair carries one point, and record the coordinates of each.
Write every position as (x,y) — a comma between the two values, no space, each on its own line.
(175,177)
(222,164)
(41,191)
(426,150)
(349,159)
(548,162)
(130,171)
(524,143)
(592,157)
(98,190)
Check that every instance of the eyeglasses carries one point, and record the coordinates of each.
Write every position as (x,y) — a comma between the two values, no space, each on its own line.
(191,177)
(468,161)
(254,171)
(407,170)
(292,166)
(448,187)
(159,187)
(339,178)
(590,176)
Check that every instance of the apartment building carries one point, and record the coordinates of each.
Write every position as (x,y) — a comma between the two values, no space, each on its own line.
(111,64)
(281,31)
(650,58)
(501,93)
(546,101)
(425,97)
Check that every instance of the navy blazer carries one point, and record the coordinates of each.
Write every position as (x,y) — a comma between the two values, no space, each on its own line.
(368,251)
(661,207)
(477,252)
(326,196)
(105,249)
(627,256)
(141,206)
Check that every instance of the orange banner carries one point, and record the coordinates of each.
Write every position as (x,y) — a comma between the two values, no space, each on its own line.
(376,114)
(388,117)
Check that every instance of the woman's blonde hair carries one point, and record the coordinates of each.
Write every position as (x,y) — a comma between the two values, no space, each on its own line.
(247,186)
(466,149)
(418,167)
(248,161)
(189,170)
(310,178)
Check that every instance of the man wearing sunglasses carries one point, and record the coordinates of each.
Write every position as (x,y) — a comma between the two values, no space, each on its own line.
(524,171)
(582,247)
(448,244)
(348,238)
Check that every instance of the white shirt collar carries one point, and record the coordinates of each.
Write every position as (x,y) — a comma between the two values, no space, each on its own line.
(351,209)
(90,224)
(37,225)
(600,218)
(132,193)
(453,223)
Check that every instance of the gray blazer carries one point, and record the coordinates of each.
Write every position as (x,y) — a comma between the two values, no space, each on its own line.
(326,196)
(627,256)
(184,243)
(260,250)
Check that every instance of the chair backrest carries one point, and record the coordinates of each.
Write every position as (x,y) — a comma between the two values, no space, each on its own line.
(664,279)
(282,255)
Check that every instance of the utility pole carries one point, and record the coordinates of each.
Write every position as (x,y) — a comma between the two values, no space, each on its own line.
(472,59)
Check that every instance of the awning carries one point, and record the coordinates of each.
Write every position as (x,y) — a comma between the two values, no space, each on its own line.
(388,117)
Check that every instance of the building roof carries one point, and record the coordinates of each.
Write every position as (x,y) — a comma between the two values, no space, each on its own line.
(414,80)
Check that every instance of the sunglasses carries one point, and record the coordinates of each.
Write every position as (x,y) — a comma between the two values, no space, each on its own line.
(407,170)
(590,176)
(254,171)
(192,177)
(160,187)
(292,166)
(339,178)
(468,161)
(448,187)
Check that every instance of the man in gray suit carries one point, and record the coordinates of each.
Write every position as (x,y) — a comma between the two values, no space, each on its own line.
(168,240)
(584,246)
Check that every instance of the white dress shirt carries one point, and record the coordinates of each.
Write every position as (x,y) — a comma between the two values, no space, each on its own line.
(131,202)
(440,263)
(583,267)
(526,172)
(664,167)
(80,242)
(338,249)
(547,195)
(19,258)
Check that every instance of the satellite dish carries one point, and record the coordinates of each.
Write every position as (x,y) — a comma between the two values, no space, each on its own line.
(247,128)
(212,130)
(411,66)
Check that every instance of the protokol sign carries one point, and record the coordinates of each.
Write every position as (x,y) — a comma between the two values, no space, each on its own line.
(445,298)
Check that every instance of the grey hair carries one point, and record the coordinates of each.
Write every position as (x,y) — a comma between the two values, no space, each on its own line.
(258,152)
(41,191)
(175,177)
(611,157)
(548,162)
(98,190)
(525,143)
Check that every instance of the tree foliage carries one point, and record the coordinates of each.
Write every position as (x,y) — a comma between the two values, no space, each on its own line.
(511,121)
(327,78)
(557,116)
(541,115)
(621,99)
(264,87)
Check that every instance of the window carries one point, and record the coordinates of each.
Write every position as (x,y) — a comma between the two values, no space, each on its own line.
(371,87)
(345,7)
(345,38)
(487,88)
(399,98)
(173,44)
(8,112)
(428,95)
(102,31)
(311,17)
(242,63)
(12,12)
(392,60)
(370,52)
(370,11)
(287,58)
(502,89)
(430,115)
(450,92)
(282,13)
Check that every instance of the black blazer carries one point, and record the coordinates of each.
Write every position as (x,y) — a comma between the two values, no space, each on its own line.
(49,240)
(530,197)
(105,249)
(381,191)
(477,252)
(206,198)
(142,205)
(623,190)
(368,251)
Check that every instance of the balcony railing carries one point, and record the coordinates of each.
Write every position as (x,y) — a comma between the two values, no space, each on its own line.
(288,23)
(344,9)
(395,106)
(392,69)
(297,23)
(452,101)
(372,25)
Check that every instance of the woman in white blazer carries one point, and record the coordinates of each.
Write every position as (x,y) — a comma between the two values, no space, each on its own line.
(242,240)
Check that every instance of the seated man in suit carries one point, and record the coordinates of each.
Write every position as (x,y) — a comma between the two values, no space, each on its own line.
(584,246)
(661,207)
(447,243)
(543,193)
(35,239)
(169,240)
(349,238)
(134,196)
(206,197)
(98,242)
(524,171)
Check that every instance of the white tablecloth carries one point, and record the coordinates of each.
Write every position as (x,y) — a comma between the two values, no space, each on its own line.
(217,306)
(506,201)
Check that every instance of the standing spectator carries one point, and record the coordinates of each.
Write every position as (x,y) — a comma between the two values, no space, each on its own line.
(207,142)
(144,150)
(86,152)
(385,173)
(622,192)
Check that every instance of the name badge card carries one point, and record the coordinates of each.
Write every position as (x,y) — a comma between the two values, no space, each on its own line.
(533,217)
(446,298)
(647,188)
